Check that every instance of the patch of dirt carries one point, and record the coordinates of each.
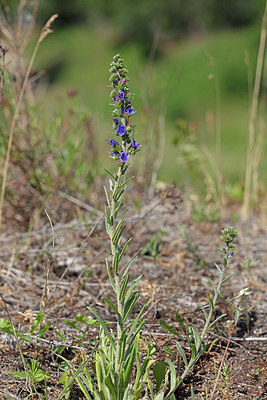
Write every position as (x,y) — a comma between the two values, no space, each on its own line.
(62,271)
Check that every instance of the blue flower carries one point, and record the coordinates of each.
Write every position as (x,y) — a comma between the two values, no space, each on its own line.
(121,95)
(124,157)
(129,111)
(115,120)
(134,145)
(115,153)
(120,130)
(113,142)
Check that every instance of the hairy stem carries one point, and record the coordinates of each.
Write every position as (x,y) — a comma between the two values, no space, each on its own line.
(116,273)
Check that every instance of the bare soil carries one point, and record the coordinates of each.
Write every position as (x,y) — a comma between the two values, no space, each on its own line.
(61,271)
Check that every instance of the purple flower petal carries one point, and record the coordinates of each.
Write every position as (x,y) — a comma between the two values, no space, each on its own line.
(129,111)
(114,142)
(124,157)
(120,130)
(134,145)
(121,95)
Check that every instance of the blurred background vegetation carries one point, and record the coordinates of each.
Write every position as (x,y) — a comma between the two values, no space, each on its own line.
(192,67)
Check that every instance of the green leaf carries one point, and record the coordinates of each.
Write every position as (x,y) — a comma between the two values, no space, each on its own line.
(110,277)
(168,350)
(108,217)
(6,327)
(85,320)
(135,322)
(103,326)
(103,245)
(128,267)
(44,329)
(40,376)
(120,199)
(21,374)
(119,226)
(107,198)
(118,238)
(212,284)
(122,345)
(196,336)
(124,248)
(36,322)
(182,353)
(172,375)
(73,325)
(131,287)
(25,337)
(111,305)
(129,305)
(128,368)
(115,265)
(159,371)
(226,279)
(204,312)
(125,182)
(180,320)
(216,320)
(168,328)
(112,176)
(193,351)
(218,269)
(211,304)
(124,287)
(110,385)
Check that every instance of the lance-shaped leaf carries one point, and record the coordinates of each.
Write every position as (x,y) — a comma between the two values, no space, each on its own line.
(129,305)
(136,321)
(182,353)
(169,328)
(117,229)
(111,305)
(128,267)
(159,372)
(197,338)
(131,287)
(110,277)
(107,198)
(216,320)
(103,245)
(125,182)
(36,322)
(123,287)
(128,368)
(180,320)
(102,323)
(226,279)
(120,199)
(119,236)
(112,176)
(173,380)
(124,248)
(211,304)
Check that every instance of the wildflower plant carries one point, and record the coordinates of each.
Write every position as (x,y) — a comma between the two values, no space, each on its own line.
(195,338)
(118,356)
(119,370)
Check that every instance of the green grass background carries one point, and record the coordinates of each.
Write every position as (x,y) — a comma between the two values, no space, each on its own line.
(178,80)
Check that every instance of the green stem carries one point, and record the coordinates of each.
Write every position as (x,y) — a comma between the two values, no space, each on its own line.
(206,326)
(116,273)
